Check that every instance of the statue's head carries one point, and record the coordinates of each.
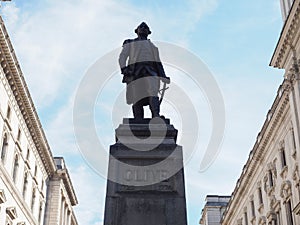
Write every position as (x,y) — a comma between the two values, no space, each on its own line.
(142,30)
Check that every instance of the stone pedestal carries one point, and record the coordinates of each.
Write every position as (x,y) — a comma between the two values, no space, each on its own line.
(146,179)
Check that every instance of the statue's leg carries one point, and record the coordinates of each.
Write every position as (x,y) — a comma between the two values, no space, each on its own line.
(154,106)
(138,110)
(153,96)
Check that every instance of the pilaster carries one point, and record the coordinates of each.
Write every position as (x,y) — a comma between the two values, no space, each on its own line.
(294,99)
(53,204)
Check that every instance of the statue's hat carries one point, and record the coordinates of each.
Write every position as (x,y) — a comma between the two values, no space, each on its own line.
(143,24)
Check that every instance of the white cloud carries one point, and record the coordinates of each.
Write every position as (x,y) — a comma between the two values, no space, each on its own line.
(90,190)
(57,41)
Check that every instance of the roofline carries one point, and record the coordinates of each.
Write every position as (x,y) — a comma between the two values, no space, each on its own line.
(278,106)
(67,182)
(219,196)
(14,75)
(285,41)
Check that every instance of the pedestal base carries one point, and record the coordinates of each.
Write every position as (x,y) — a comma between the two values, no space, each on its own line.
(146,187)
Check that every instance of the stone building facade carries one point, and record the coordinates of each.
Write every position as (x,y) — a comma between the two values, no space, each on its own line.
(268,190)
(285,6)
(35,187)
(214,209)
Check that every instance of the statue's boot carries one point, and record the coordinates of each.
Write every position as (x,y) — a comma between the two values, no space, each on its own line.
(154,106)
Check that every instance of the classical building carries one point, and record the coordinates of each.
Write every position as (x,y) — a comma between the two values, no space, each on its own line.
(35,187)
(268,190)
(285,6)
(213,210)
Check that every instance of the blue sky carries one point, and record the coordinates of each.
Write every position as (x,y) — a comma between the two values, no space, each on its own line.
(57,41)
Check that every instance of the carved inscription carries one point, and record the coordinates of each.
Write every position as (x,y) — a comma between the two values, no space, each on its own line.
(141,175)
(158,177)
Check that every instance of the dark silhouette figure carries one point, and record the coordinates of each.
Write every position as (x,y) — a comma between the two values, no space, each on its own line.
(142,69)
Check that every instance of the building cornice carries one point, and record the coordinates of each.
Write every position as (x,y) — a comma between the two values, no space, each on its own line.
(288,37)
(64,175)
(278,109)
(14,76)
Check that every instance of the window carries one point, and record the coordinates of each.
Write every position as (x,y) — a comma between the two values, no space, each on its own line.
(35,170)
(289,213)
(252,208)
(33,199)
(8,113)
(260,197)
(283,158)
(293,139)
(246,218)
(27,154)
(15,168)
(25,184)
(40,212)
(4,147)
(42,185)
(19,135)
(278,217)
(271,181)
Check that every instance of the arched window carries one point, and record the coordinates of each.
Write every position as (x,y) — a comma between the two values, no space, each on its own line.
(40,212)
(8,113)
(28,154)
(25,184)
(289,212)
(4,147)
(33,199)
(15,168)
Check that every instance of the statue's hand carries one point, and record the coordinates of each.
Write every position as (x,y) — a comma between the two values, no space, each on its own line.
(166,80)
(125,71)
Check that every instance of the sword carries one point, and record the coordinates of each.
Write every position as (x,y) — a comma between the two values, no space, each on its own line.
(162,92)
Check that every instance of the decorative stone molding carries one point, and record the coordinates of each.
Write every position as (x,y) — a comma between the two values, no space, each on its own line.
(288,35)
(21,223)
(285,190)
(269,180)
(253,220)
(262,220)
(14,76)
(273,202)
(281,145)
(258,184)
(296,173)
(271,216)
(62,173)
(296,210)
(239,221)
(251,197)
(272,168)
(284,172)
(279,107)
(2,196)
(261,208)
(293,140)
(11,212)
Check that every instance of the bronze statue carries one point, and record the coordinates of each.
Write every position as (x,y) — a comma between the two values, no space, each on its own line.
(142,72)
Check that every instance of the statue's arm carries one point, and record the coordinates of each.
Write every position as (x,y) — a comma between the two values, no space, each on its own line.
(159,66)
(124,55)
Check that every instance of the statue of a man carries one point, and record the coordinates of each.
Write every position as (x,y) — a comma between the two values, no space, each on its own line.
(142,69)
